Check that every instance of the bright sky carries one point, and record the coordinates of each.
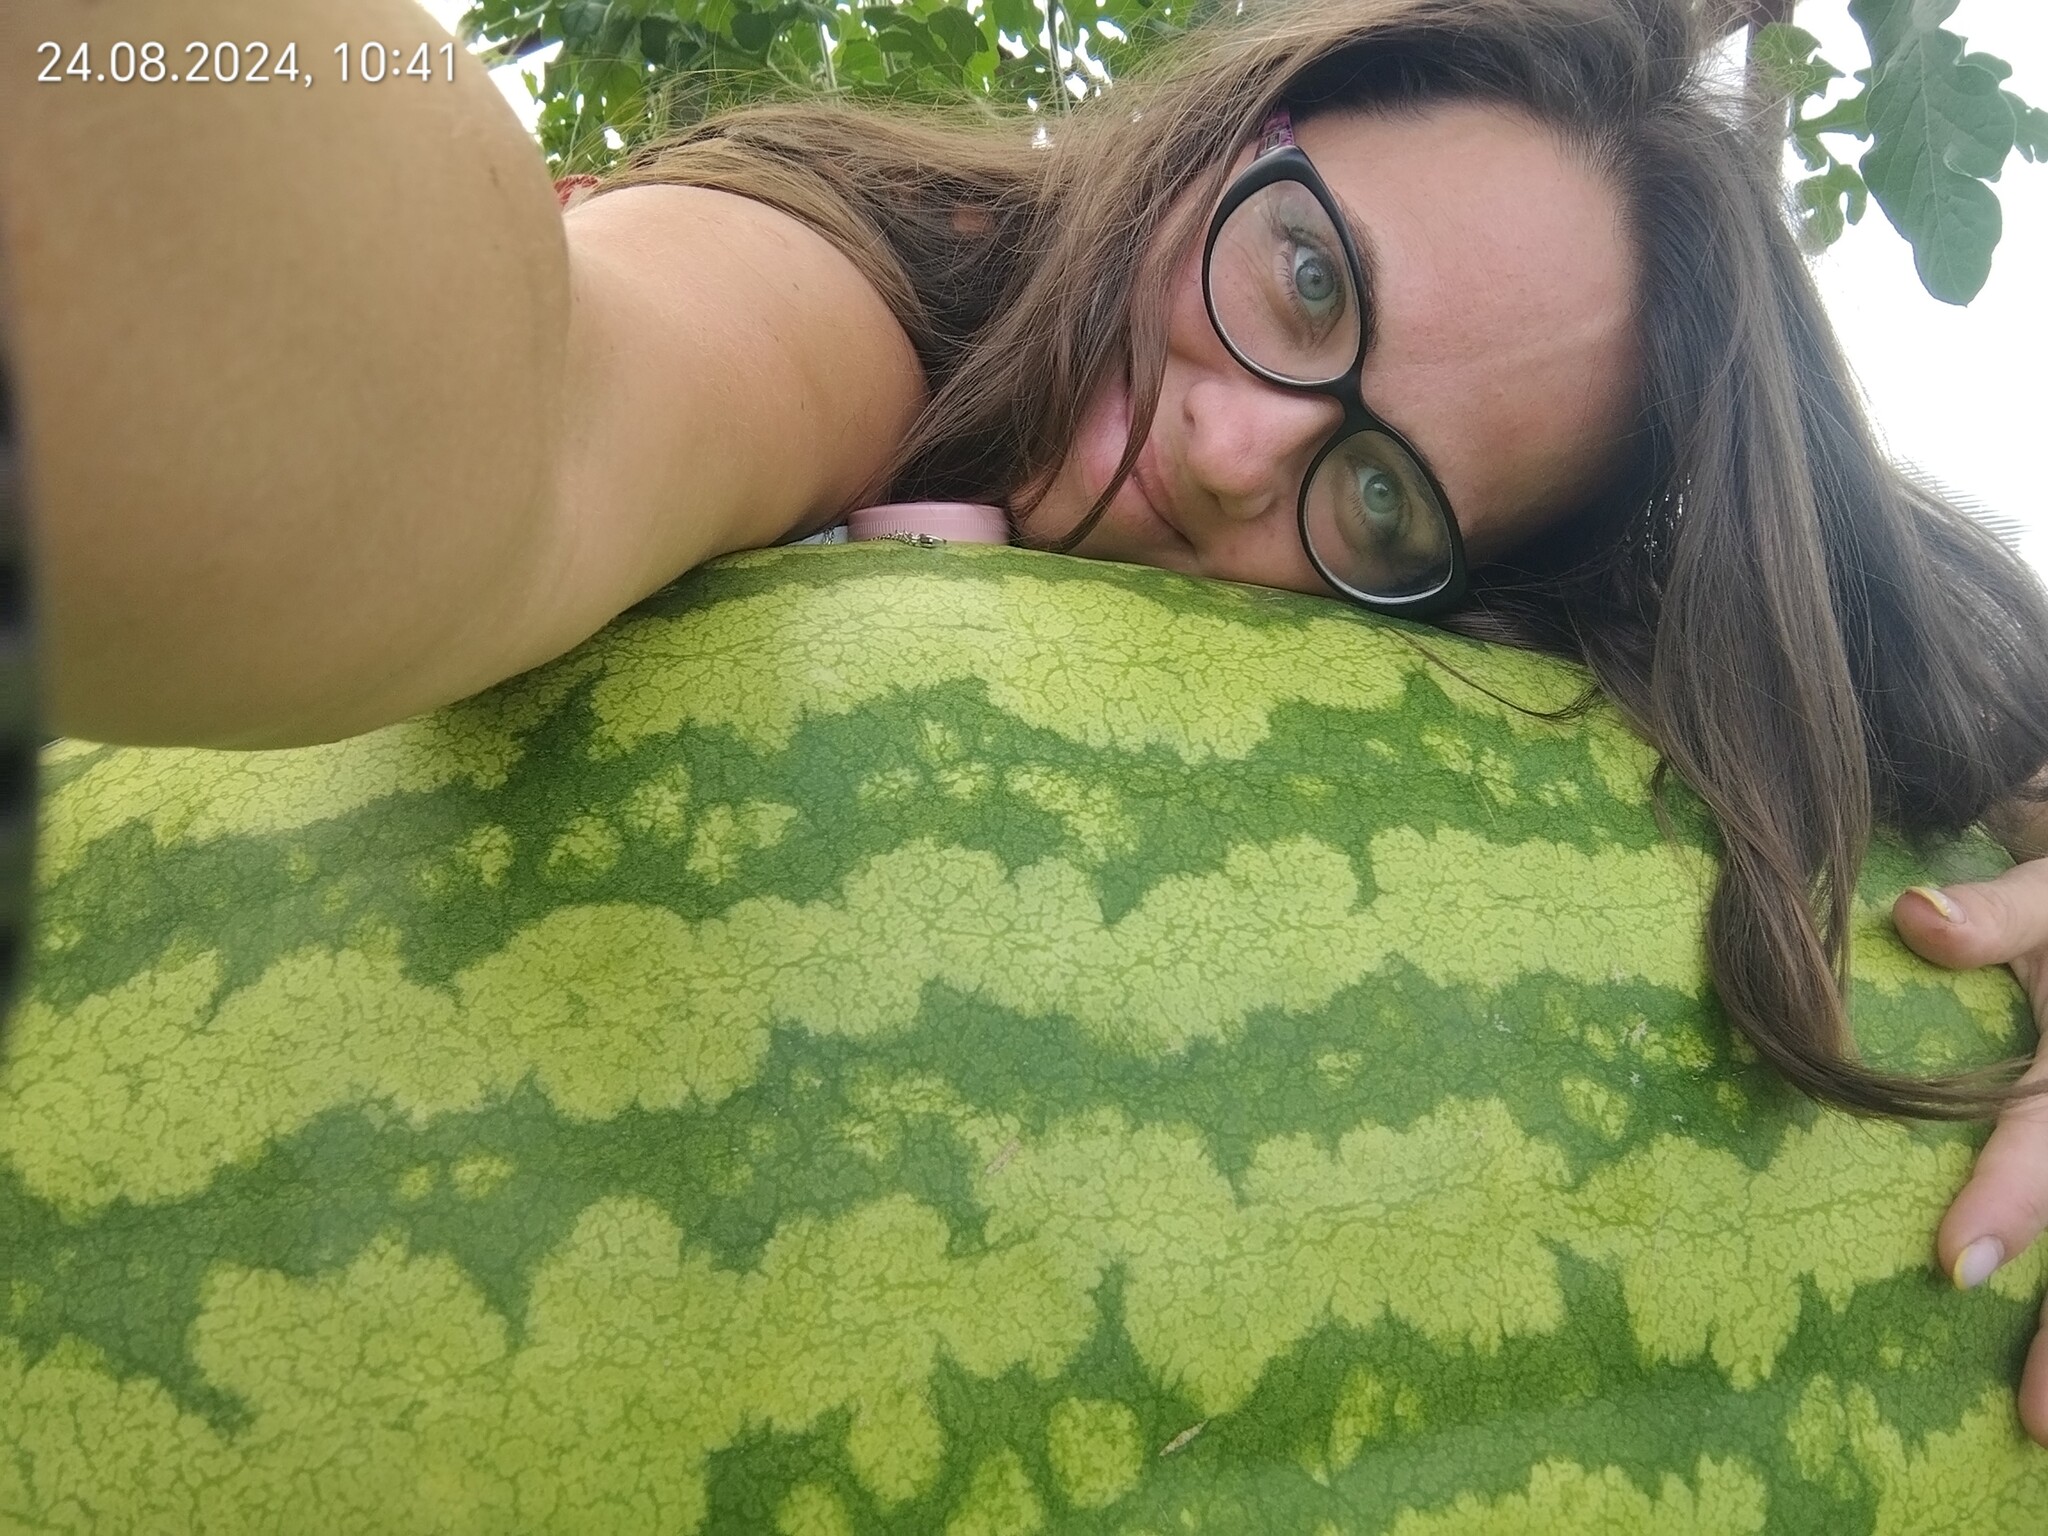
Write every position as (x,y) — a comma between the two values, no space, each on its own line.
(1959,392)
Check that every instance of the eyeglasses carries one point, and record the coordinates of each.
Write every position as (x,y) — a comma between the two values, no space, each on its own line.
(1284,290)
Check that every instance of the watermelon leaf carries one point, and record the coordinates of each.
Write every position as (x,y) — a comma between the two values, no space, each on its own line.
(1940,128)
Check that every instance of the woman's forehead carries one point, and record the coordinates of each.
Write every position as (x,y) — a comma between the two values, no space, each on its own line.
(1504,301)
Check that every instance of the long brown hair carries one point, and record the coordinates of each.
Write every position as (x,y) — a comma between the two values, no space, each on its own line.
(1811,641)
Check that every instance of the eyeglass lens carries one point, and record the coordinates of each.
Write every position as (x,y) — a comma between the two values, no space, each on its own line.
(1373,522)
(1284,301)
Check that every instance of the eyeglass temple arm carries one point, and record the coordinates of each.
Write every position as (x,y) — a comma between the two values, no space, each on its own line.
(1278,132)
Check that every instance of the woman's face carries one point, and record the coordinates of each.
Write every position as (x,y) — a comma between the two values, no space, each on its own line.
(1503,350)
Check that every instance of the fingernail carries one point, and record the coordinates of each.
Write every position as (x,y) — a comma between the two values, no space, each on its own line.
(1939,901)
(1977,1262)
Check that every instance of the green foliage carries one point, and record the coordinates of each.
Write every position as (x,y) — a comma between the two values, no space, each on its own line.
(1790,59)
(632,68)
(1937,124)
(1933,122)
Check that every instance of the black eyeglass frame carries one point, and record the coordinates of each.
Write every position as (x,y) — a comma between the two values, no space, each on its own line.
(1281,159)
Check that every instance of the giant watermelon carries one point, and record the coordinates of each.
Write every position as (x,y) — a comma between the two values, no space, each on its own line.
(964,1040)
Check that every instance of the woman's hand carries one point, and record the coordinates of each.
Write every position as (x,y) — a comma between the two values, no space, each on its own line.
(2004,1207)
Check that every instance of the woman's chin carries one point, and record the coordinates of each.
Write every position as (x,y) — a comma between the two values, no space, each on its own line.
(1128,530)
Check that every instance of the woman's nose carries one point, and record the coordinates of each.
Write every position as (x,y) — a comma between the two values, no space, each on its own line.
(1249,442)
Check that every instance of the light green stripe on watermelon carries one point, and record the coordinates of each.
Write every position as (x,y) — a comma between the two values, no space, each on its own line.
(628,1344)
(1724,1499)
(894,1074)
(1207,686)
(190,796)
(1884,964)
(1469,1201)
(1104,667)
(90,1111)
(1095,1451)
(1000,1500)
(1976,1477)
(812,1509)
(629,1350)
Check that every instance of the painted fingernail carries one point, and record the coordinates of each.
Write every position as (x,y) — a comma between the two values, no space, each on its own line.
(1939,901)
(1977,1262)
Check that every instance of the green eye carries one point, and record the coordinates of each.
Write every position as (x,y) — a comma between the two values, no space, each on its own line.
(1382,500)
(1373,523)
(1315,279)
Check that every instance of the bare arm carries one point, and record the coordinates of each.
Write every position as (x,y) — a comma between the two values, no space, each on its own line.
(329,423)
(732,378)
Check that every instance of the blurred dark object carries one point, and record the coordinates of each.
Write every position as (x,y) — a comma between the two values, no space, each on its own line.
(20,737)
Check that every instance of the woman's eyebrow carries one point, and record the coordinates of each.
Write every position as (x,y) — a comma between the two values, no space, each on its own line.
(1368,262)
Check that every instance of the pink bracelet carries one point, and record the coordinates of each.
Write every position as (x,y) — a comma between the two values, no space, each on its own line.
(960,522)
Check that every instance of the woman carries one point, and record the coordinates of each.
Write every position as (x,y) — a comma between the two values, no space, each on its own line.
(1494,280)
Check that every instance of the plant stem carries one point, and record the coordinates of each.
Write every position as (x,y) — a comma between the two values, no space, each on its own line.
(1054,12)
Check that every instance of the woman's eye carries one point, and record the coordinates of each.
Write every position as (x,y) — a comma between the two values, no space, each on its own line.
(1382,503)
(1315,279)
